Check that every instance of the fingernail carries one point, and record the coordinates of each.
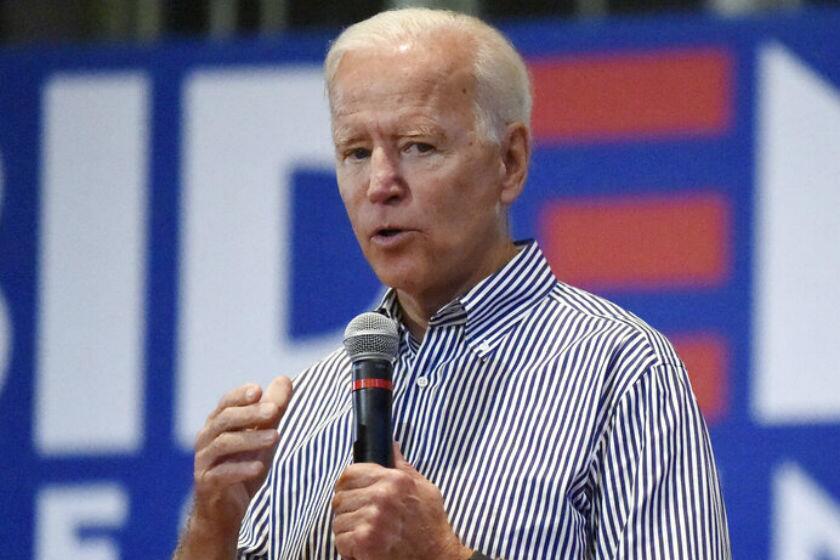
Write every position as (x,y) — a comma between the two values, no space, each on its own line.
(251,393)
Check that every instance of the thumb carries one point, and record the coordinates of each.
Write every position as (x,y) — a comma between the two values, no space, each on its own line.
(400,461)
(279,392)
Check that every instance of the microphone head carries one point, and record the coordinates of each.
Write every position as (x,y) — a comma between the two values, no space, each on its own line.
(371,335)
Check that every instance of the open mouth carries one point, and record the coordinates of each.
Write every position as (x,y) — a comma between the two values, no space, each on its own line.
(389,237)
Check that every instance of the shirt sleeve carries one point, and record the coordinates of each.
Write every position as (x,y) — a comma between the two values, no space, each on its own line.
(656,493)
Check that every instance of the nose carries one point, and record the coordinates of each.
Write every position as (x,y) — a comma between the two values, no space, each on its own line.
(386,183)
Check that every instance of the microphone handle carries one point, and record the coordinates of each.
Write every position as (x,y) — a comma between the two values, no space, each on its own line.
(372,395)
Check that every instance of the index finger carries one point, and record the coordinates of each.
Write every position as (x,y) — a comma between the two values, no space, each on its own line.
(360,475)
(243,395)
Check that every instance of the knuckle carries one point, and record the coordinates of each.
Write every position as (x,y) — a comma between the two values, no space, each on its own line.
(268,410)
(201,458)
(222,422)
(343,545)
(205,479)
(224,444)
(376,517)
(266,438)
(201,437)
(364,537)
(404,483)
(395,485)
(259,469)
(383,493)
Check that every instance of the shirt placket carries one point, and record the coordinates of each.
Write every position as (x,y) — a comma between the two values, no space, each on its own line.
(420,381)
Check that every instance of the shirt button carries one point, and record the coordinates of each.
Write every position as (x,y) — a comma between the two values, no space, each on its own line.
(422,382)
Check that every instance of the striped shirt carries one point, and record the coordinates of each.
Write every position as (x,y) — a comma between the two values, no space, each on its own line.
(555,424)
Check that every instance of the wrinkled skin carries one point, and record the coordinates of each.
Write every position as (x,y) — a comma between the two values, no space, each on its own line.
(384,513)
(426,194)
(233,454)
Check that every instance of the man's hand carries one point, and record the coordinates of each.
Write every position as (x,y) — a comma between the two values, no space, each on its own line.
(392,513)
(233,455)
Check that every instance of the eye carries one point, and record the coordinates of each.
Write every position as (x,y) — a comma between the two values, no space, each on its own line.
(357,154)
(419,147)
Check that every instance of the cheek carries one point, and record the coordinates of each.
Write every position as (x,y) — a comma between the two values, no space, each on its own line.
(472,193)
(351,207)
(346,199)
(350,187)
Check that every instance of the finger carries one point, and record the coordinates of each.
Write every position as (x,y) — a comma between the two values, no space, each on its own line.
(242,395)
(360,475)
(362,541)
(257,415)
(236,418)
(344,545)
(231,443)
(400,461)
(348,501)
(228,473)
(279,391)
(346,522)
(380,497)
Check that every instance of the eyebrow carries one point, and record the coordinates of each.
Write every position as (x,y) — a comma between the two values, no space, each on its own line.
(348,134)
(422,130)
(344,135)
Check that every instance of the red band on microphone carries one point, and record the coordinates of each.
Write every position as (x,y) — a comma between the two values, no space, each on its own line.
(372,383)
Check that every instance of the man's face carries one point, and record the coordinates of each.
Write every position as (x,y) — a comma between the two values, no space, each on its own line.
(421,188)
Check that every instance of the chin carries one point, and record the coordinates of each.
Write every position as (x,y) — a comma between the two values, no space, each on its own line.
(391,267)
(398,281)
(398,275)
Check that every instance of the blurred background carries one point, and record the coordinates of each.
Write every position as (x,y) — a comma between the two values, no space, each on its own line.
(170,228)
(84,21)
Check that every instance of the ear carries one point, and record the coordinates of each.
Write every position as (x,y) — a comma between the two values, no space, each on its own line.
(515,151)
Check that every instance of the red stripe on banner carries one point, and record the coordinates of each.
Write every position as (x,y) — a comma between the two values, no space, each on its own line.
(706,356)
(620,95)
(372,383)
(643,242)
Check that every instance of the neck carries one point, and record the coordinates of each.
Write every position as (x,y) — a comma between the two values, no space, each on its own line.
(418,307)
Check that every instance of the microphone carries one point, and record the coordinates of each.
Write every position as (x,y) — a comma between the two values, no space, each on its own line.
(371,341)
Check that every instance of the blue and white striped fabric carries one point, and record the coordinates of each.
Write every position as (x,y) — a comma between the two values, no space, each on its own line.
(556,425)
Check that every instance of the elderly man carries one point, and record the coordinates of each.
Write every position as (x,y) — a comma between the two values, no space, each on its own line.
(534,420)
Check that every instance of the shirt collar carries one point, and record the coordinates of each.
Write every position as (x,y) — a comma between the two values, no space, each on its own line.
(494,304)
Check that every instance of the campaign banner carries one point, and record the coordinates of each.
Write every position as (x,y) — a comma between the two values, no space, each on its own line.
(170,228)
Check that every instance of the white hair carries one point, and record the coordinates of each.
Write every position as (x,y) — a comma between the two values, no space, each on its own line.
(503,90)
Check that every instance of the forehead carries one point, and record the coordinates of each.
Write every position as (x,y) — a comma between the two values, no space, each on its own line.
(402,79)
